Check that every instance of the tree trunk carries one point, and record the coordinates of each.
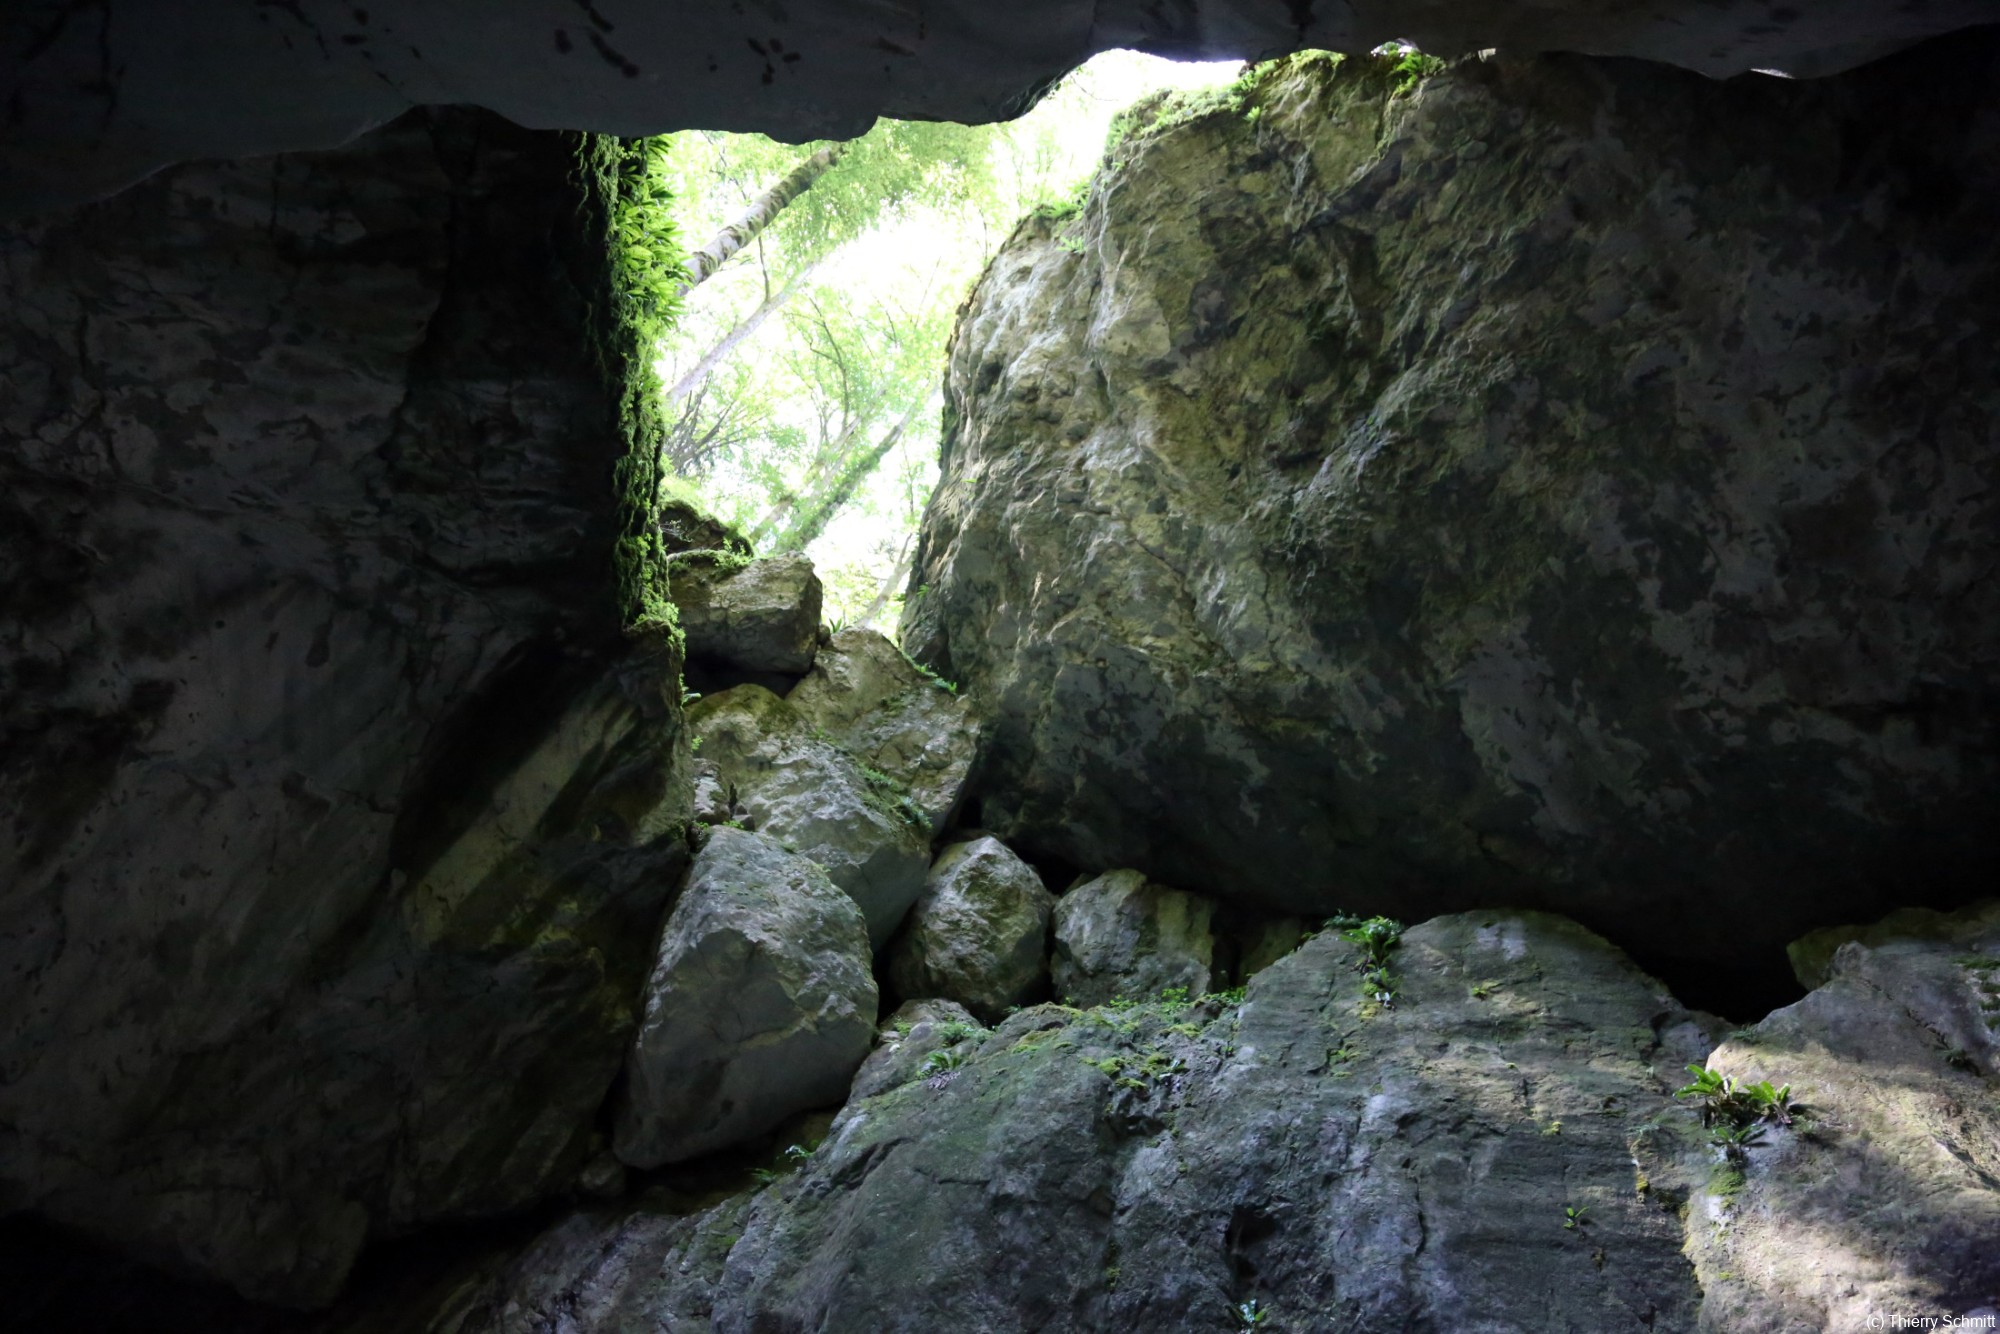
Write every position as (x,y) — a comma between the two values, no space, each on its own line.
(702,264)
(748,325)
(899,573)
(845,484)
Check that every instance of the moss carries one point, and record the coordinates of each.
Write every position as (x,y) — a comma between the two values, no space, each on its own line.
(619,175)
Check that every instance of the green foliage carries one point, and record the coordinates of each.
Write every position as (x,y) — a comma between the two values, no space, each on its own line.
(890,797)
(956,1032)
(1738,1116)
(1574,1217)
(1250,1314)
(646,240)
(1230,996)
(940,1068)
(1408,66)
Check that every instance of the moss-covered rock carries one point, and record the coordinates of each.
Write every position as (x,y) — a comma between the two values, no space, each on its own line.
(1555,482)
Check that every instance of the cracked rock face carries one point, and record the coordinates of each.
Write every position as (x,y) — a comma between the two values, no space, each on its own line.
(793,781)
(1565,483)
(1148,1169)
(756,616)
(101,95)
(333,794)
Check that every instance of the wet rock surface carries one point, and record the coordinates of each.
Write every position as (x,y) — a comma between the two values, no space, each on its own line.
(760,1004)
(1560,483)
(338,809)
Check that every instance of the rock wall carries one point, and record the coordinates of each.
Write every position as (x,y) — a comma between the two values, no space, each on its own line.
(1558,482)
(96,96)
(338,809)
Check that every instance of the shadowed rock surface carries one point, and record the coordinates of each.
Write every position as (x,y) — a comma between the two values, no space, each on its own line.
(1896,1185)
(1564,483)
(97,98)
(1120,935)
(760,1004)
(1152,1169)
(338,808)
(750,616)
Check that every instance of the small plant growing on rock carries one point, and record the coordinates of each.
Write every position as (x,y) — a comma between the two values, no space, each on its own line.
(1251,1314)
(940,1068)
(1737,1117)
(956,1031)
(1574,1217)
(1378,938)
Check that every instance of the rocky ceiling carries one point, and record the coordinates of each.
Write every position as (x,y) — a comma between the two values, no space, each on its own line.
(97,93)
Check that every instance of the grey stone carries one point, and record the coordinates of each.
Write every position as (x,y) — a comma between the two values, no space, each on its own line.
(893,716)
(1890,1203)
(339,809)
(1297,550)
(797,785)
(1120,935)
(265,87)
(906,1041)
(755,616)
(1108,1171)
(760,1005)
(1346,1165)
(979,935)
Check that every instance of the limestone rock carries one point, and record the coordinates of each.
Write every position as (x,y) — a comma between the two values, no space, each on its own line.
(893,716)
(812,71)
(1502,1135)
(979,935)
(906,1041)
(686,527)
(809,794)
(754,616)
(1120,935)
(1522,488)
(340,814)
(760,1005)
(1890,1202)
(1110,1172)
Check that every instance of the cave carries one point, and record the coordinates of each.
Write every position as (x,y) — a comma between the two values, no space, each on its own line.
(1452,606)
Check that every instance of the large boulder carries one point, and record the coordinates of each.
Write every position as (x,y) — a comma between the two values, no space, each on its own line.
(894,716)
(979,935)
(783,777)
(748,615)
(761,1004)
(1121,936)
(1889,1203)
(1560,482)
(340,812)
(1162,1168)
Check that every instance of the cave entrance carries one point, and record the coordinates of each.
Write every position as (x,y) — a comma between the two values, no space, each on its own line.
(803,296)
